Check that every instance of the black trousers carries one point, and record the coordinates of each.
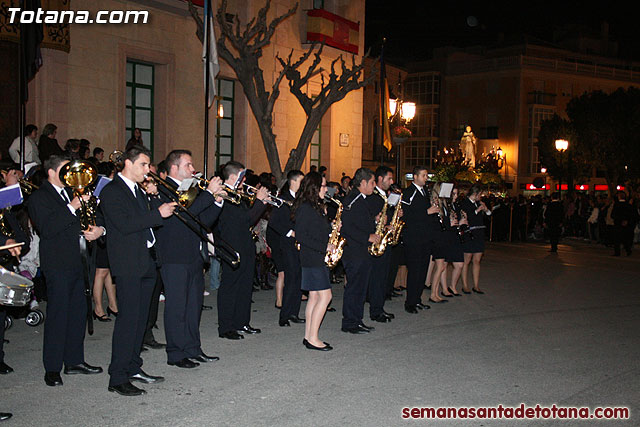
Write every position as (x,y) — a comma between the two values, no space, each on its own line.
(66,321)
(554,236)
(396,259)
(234,294)
(417,256)
(153,309)
(622,235)
(378,282)
(292,293)
(3,315)
(358,271)
(184,294)
(134,297)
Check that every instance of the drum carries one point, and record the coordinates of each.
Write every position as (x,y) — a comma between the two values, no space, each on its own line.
(15,290)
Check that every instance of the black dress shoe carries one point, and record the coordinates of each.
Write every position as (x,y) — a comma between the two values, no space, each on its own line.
(203,358)
(110,312)
(103,318)
(184,363)
(5,369)
(126,389)
(247,329)
(284,322)
(395,294)
(381,318)
(231,335)
(82,368)
(331,309)
(279,307)
(389,315)
(411,309)
(5,416)
(356,330)
(155,344)
(296,319)
(455,294)
(438,302)
(206,307)
(477,291)
(52,379)
(145,378)
(465,292)
(447,296)
(310,346)
(371,328)
(421,306)
(304,341)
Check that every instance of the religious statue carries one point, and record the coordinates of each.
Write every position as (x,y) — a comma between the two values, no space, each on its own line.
(468,147)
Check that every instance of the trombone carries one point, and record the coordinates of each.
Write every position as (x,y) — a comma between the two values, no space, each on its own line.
(272,199)
(26,186)
(223,249)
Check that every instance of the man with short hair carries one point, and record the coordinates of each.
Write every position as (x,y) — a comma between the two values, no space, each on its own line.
(131,245)
(31,154)
(358,227)
(380,264)
(420,220)
(234,223)
(183,263)
(53,211)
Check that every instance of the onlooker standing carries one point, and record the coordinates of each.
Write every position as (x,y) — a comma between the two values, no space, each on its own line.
(624,220)
(30,147)
(553,219)
(136,139)
(48,144)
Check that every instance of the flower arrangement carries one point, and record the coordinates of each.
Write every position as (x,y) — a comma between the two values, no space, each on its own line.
(466,176)
(401,132)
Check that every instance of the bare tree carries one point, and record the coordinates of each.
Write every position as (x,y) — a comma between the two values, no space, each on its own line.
(242,46)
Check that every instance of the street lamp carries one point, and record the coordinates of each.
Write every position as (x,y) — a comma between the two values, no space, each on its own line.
(544,171)
(561,146)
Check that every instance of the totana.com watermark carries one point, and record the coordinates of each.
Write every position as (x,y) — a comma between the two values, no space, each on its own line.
(40,16)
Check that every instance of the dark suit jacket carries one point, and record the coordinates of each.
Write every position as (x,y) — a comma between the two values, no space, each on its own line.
(279,225)
(475,219)
(177,243)
(358,222)
(47,147)
(554,214)
(235,222)
(18,234)
(312,232)
(419,226)
(58,228)
(126,222)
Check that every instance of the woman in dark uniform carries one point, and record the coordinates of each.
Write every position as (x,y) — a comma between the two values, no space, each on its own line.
(312,233)
(454,253)
(474,210)
(439,252)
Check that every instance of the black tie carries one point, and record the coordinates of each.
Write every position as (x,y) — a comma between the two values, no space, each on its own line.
(144,204)
(64,195)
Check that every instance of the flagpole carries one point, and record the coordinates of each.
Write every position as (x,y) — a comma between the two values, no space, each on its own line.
(22,84)
(207,38)
(383,110)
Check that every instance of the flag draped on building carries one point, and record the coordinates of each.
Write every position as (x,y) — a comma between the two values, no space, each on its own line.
(209,54)
(384,104)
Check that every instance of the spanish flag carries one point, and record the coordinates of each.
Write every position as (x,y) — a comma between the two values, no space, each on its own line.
(333,30)
(384,104)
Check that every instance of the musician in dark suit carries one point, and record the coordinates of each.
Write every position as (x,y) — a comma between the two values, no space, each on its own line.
(131,245)
(180,250)
(420,223)
(285,239)
(474,210)
(4,240)
(234,294)
(53,212)
(312,232)
(358,227)
(380,265)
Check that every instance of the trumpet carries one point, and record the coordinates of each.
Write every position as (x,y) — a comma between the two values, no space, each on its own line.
(26,186)
(272,199)
(229,194)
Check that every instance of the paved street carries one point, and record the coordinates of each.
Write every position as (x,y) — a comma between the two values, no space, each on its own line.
(552,328)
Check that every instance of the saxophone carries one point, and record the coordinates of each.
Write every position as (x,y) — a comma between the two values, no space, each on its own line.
(379,248)
(333,256)
(395,226)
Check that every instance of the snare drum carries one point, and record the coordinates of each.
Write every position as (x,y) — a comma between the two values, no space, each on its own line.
(15,290)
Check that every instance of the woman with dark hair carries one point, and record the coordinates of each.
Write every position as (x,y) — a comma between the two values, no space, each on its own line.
(474,210)
(136,139)
(312,233)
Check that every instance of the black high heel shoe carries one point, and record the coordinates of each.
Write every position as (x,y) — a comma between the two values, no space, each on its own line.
(103,318)
(313,347)
(109,312)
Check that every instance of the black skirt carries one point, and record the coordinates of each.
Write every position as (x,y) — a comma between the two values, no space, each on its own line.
(440,245)
(102,258)
(454,251)
(475,245)
(315,279)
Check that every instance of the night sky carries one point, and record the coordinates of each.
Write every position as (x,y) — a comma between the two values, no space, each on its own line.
(413,28)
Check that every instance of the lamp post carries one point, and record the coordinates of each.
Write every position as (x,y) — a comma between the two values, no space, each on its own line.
(404,112)
(544,171)
(561,146)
